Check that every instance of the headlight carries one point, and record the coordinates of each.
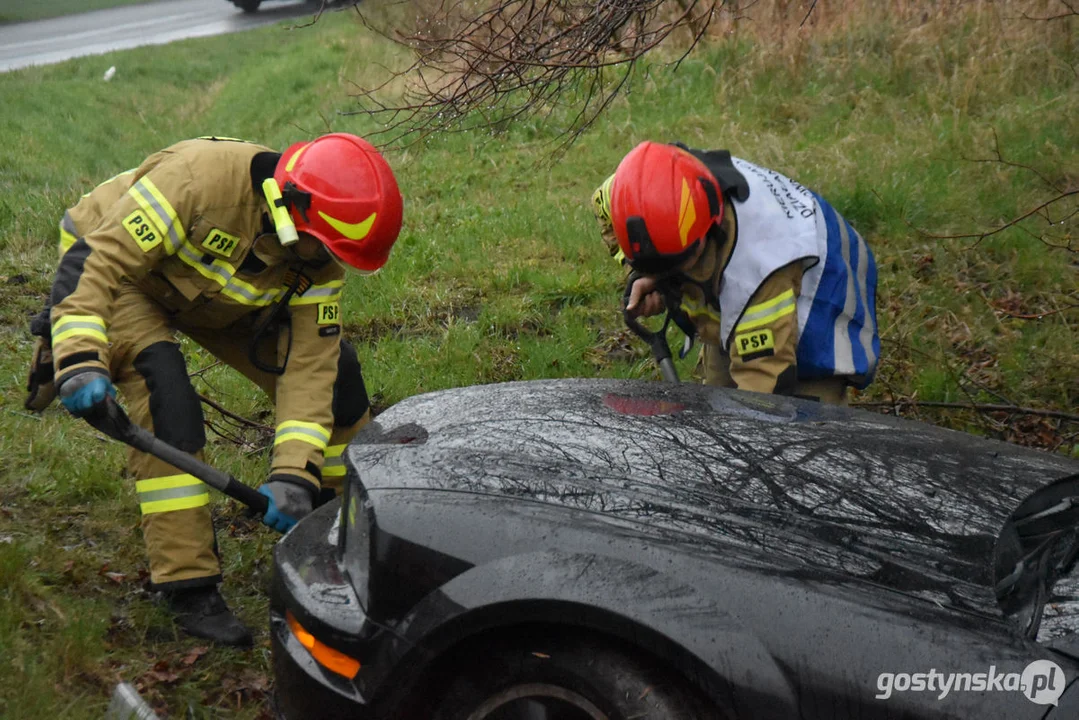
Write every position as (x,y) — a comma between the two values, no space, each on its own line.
(356,545)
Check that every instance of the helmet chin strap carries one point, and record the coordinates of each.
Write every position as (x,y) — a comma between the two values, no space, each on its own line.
(286,229)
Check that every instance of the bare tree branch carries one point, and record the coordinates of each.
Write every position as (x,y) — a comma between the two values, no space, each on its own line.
(486,65)
(1014,221)
(1072,12)
(238,418)
(999,160)
(812,7)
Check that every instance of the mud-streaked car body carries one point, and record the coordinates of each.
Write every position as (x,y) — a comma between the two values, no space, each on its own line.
(766,557)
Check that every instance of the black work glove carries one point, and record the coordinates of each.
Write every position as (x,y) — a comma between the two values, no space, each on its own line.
(290,498)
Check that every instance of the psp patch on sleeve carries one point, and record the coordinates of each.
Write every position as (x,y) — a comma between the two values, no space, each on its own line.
(756,344)
(329,313)
(142,231)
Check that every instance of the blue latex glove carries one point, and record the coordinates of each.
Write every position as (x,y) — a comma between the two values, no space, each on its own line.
(85,391)
(289,500)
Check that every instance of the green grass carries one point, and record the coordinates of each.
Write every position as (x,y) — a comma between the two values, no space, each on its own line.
(499,274)
(14,11)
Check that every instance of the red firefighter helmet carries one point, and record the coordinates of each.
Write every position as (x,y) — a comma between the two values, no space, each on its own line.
(341,190)
(663,202)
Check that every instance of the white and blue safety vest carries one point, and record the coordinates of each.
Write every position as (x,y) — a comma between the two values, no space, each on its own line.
(782,222)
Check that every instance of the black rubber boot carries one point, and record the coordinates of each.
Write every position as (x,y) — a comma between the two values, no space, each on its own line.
(202,612)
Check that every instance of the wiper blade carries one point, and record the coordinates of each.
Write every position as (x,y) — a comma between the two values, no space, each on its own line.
(1064,505)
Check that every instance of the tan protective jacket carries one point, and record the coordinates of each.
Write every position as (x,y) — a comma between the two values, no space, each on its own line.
(187,228)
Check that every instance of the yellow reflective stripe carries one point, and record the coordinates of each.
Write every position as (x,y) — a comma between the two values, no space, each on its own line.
(167,483)
(171,493)
(67,233)
(328,292)
(66,241)
(694,310)
(72,325)
(767,312)
(601,200)
(307,432)
(160,212)
(223,274)
(148,209)
(334,465)
(181,503)
(767,319)
(213,271)
(58,338)
(95,320)
(768,304)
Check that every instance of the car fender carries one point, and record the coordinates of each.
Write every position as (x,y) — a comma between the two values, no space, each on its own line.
(633,602)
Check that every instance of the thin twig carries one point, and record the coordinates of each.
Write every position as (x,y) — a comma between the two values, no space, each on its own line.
(1005,226)
(229,414)
(198,373)
(1072,12)
(1035,316)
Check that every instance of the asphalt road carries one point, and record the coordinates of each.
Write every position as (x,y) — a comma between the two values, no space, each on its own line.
(51,41)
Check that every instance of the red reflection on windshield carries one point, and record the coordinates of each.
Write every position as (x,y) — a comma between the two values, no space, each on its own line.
(641,406)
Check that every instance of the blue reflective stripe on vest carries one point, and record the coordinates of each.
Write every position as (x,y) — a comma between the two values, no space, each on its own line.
(841,329)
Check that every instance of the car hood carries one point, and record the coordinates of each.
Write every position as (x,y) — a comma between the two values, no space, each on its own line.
(803,486)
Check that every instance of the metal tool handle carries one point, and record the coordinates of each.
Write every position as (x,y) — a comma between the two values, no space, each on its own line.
(656,340)
(114,422)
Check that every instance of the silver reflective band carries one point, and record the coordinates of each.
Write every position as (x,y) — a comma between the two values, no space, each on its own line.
(165,220)
(173,493)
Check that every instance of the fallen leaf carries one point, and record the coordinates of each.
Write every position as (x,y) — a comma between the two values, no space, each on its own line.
(162,677)
(194,655)
(116,577)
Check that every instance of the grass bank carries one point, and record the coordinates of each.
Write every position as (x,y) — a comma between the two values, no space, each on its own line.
(895,113)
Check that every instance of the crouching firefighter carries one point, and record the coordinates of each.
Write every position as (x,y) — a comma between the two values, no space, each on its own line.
(243,250)
(778,286)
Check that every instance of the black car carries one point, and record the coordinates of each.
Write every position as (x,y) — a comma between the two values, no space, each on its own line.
(610,549)
(251,6)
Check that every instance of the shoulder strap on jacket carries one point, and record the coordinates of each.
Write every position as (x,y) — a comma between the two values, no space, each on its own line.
(731,182)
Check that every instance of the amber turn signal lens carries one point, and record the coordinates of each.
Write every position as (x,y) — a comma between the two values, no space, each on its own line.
(333,660)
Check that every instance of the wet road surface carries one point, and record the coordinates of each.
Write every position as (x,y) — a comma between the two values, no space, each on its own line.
(44,42)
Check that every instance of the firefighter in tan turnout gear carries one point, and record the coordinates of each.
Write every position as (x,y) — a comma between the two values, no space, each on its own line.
(241,249)
(778,286)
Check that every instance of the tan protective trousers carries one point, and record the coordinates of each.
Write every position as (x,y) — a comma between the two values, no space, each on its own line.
(176,521)
(716,366)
